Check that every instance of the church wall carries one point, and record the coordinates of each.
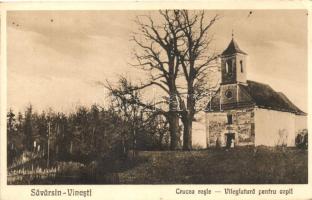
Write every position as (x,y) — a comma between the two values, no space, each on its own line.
(245,126)
(216,124)
(240,75)
(242,126)
(274,128)
(301,122)
(238,94)
(224,89)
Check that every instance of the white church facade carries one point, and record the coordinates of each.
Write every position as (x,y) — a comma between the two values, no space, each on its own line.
(244,112)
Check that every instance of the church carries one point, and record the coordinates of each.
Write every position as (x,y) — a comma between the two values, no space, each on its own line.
(244,112)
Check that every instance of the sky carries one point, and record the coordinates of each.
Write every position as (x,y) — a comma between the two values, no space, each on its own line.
(57,58)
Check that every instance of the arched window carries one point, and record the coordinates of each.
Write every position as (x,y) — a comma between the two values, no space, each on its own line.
(241,66)
(226,67)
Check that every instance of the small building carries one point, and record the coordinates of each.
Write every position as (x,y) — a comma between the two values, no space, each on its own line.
(244,112)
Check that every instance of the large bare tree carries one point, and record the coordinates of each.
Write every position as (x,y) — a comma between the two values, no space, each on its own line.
(157,53)
(174,45)
(195,56)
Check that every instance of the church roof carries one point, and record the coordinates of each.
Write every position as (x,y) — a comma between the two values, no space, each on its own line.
(232,49)
(260,95)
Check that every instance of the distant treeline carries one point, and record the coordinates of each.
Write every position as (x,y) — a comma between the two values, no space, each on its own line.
(85,135)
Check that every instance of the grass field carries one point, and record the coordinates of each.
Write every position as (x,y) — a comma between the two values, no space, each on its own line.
(242,165)
(236,166)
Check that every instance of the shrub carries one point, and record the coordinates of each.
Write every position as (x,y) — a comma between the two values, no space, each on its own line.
(302,139)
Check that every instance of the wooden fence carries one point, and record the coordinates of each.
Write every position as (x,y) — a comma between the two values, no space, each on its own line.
(53,176)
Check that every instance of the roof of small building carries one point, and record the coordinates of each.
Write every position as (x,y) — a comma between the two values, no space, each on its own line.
(260,95)
(232,49)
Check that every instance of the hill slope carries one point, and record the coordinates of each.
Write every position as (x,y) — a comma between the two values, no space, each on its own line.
(236,166)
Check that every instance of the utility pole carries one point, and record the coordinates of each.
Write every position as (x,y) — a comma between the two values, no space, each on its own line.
(48,160)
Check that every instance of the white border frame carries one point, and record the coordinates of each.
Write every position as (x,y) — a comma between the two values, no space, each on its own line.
(145,192)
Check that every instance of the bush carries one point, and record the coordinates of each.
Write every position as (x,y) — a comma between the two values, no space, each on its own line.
(302,139)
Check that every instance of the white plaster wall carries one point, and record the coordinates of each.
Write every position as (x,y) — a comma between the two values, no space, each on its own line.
(199,138)
(241,76)
(268,125)
(301,122)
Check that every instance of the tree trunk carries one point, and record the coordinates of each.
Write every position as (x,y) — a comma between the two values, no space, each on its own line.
(187,131)
(187,119)
(173,120)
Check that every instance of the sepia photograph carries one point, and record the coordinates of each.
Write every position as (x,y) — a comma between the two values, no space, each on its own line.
(157,97)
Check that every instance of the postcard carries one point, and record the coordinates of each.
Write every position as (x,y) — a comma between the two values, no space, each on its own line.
(139,100)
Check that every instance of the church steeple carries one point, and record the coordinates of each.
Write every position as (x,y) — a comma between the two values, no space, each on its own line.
(233,48)
(233,64)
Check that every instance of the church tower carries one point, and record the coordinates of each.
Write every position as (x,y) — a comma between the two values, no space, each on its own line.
(233,64)
(233,73)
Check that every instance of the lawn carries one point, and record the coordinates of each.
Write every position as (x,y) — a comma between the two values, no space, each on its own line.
(237,166)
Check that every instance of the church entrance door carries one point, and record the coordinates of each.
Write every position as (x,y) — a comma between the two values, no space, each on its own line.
(230,138)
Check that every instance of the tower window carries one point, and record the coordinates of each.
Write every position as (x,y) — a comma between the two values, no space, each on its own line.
(229,119)
(241,66)
(228,67)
